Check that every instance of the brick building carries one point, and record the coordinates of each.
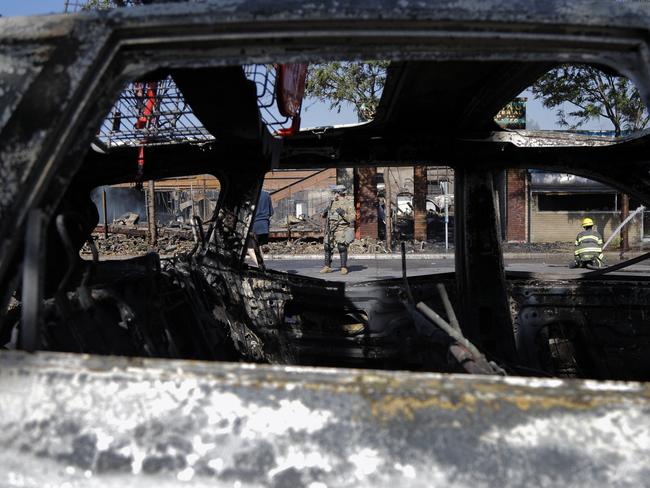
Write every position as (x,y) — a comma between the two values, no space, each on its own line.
(517,205)
(549,207)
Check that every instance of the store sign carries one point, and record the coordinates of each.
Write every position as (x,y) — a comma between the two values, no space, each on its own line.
(513,115)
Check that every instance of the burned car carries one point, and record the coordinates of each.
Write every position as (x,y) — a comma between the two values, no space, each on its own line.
(102,420)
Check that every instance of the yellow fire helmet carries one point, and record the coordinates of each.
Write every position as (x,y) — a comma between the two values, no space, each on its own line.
(587,222)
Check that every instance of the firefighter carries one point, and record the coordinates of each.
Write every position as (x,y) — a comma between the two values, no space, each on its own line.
(339,228)
(588,246)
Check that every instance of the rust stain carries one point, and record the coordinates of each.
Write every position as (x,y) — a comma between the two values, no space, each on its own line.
(390,406)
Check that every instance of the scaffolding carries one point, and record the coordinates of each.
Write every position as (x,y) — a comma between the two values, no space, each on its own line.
(151,113)
(265,76)
(154,112)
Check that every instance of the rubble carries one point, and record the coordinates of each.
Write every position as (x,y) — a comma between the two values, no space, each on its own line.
(128,246)
(378,246)
(304,246)
(175,243)
(129,219)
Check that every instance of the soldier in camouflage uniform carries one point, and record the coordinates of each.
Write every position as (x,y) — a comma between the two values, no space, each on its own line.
(339,231)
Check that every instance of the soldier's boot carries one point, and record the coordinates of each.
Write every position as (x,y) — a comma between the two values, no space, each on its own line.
(328,260)
(343,251)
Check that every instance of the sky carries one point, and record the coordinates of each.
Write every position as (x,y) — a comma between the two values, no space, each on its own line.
(314,113)
(9,8)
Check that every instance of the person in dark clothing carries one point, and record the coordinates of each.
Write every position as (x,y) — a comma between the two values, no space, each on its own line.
(261,225)
(588,246)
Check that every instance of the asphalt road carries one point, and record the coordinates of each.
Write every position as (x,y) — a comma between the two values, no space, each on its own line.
(376,269)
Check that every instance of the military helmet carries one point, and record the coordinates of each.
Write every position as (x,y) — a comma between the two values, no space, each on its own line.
(340,189)
(587,222)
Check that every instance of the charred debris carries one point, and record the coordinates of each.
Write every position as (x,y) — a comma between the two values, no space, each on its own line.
(207,304)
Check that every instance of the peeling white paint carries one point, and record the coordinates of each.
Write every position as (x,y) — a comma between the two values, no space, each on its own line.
(186,475)
(138,457)
(300,458)
(609,386)
(406,469)
(200,447)
(216,464)
(291,415)
(616,439)
(263,420)
(317,484)
(366,461)
(103,440)
(533,382)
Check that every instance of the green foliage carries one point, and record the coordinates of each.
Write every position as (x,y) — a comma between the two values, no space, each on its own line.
(593,94)
(97,5)
(357,83)
(107,4)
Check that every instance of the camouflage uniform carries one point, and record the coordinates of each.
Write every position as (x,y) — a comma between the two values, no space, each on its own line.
(340,219)
(339,224)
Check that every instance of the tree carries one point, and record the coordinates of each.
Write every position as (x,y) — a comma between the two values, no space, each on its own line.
(97,5)
(357,83)
(361,84)
(593,94)
(106,4)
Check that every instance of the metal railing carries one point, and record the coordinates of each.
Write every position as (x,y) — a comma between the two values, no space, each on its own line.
(151,113)
(168,119)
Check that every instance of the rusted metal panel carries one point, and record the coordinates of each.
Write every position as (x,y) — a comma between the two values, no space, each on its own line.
(101,421)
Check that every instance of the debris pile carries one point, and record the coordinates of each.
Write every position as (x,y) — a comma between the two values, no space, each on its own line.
(293,246)
(361,246)
(539,247)
(173,243)
(125,245)
(129,218)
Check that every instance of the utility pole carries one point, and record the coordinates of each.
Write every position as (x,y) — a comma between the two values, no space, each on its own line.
(192,200)
(420,203)
(388,210)
(445,192)
(151,213)
(105,212)
(206,202)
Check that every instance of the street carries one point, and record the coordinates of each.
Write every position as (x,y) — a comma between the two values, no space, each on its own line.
(367,268)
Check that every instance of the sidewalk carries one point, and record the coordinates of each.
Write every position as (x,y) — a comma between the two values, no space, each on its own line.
(610,256)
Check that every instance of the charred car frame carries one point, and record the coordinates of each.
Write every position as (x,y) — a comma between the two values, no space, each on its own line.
(59,76)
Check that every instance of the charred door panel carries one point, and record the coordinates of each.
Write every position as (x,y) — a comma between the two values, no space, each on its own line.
(598,329)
